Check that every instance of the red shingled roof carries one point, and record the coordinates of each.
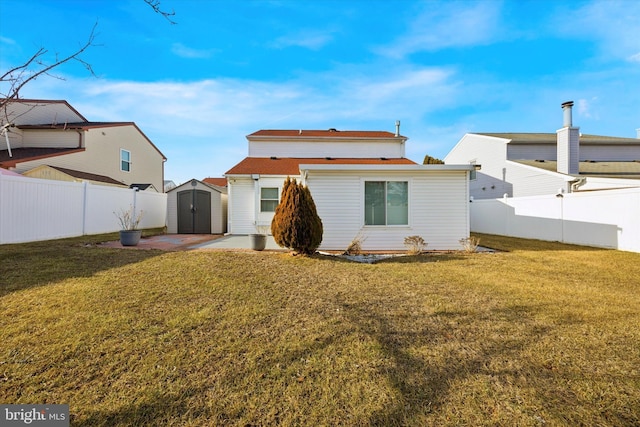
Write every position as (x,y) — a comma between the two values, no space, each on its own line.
(329,133)
(291,166)
(220,182)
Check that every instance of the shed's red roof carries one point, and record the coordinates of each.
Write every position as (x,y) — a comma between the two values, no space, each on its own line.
(329,133)
(291,166)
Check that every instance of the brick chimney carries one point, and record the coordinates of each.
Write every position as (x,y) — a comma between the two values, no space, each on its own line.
(568,145)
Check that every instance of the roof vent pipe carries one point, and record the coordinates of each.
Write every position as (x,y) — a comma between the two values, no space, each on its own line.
(397,127)
(566,109)
(638,133)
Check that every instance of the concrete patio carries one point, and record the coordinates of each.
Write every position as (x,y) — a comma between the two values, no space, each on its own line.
(235,242)
(182,242)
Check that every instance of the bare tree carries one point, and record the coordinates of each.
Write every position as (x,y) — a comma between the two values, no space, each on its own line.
(15,79)
(155,5)
(18,77)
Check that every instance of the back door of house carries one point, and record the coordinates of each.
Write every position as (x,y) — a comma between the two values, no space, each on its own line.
(194,212)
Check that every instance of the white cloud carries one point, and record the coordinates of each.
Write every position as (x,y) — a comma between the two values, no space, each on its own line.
(614,25)
(634,58)
(586,108)
(187,52)
(208,119)
(312,40)
(445,25)
(7,40)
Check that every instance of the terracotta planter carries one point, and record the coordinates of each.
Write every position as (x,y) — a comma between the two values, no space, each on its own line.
(258,241)
(130,237)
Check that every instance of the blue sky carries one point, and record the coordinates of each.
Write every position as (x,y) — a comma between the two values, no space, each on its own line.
(229,68)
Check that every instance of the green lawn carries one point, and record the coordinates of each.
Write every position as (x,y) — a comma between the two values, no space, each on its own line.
(538,334)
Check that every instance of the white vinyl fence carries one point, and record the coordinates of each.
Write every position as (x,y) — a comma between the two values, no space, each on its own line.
(605,218)
(38,209)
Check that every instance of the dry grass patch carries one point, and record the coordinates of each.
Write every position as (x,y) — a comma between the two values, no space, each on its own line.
(540,334)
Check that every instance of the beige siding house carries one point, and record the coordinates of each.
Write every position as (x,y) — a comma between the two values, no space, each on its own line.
(61,174)
(362,185)
(52,133)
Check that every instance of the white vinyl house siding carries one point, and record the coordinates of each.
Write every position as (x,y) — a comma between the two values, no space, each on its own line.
(490,154)
(296,149)
(531,181)
(602,153)
(532,151)
(241,206)
(338,200)
(441,209)
(263,219)
(438,208)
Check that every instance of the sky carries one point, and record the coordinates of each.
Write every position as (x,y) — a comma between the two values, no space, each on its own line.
(226,69)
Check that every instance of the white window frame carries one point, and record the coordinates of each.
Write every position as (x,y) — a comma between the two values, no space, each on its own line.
(386,180)
(122,150)
(261,199)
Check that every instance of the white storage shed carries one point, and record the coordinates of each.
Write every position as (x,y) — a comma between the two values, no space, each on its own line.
(196,207)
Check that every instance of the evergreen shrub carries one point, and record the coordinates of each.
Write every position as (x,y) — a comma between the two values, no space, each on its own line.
(296,224)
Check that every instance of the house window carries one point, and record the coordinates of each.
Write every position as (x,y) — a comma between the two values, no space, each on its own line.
(268,199)
(125,160)
(473,175)
(386,203)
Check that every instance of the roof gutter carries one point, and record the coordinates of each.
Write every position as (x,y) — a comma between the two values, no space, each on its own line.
(391,167)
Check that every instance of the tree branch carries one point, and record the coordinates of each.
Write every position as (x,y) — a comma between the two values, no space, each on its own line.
(155,5)
(35,67)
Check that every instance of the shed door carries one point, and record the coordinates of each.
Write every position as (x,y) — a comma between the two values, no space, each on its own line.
(194,212)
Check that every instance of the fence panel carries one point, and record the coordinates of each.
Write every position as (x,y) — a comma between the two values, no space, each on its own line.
(607,219)
(34,209)
(37,209)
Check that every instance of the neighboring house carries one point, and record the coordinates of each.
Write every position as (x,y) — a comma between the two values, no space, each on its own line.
(532,164)
(196,207)
(362,184)
(62,174)
(168,185)
(52,133)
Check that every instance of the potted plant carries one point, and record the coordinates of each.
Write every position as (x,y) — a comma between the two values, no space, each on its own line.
(259,239)
(129,221)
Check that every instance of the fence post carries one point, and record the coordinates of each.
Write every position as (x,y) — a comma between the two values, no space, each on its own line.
(84,207)
(507,215)
(561,197)
(135,200)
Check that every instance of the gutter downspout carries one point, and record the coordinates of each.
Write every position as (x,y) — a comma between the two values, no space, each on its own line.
(577,183)
(5,130)
(79,138)
(6,136)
